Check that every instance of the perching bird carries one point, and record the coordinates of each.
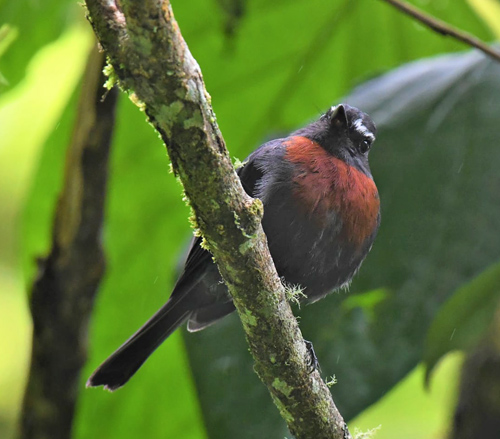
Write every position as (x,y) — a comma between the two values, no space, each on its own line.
(321,216)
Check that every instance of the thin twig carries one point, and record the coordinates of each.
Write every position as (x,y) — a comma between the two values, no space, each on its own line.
(444,29)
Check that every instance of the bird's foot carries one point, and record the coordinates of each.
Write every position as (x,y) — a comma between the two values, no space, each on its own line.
(312,361)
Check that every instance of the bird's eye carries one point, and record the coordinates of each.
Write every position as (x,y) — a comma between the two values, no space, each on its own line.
(365,146)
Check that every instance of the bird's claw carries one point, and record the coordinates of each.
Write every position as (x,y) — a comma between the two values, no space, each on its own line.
(312,361)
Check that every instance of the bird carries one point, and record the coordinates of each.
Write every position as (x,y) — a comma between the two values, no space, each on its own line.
(321,217)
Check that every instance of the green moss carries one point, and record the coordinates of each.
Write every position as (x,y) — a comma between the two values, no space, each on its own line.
(282,387)
(257,208)
(204,244)
(194,223)
(196,121)
(214,204)
(144,45)
(238,163)
(285,414)
(294,293)
(185,198)
(169,114)
(237,221)
(247,245)
(370,434)
(180,92)
(248,319)
(135,99)
(110,73)
(331,381)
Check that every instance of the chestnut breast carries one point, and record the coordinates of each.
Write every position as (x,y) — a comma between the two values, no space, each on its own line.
(324,184)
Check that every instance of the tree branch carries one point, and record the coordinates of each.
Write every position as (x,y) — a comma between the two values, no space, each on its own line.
(64,291)
(149,56)
(443,28)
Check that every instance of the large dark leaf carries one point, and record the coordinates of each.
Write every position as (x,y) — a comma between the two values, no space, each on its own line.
(436,163)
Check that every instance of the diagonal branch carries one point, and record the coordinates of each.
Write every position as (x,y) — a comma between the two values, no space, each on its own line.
(150,58)
(443,28)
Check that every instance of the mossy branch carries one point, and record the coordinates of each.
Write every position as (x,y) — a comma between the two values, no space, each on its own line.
(152,61)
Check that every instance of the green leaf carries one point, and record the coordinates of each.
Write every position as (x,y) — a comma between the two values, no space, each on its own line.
(465,318)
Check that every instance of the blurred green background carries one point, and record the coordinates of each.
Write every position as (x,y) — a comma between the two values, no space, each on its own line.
(270,68)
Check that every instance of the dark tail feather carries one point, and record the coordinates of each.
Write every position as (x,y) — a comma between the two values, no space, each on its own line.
(121,365)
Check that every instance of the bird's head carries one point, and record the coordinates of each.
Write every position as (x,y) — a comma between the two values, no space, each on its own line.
(345,132)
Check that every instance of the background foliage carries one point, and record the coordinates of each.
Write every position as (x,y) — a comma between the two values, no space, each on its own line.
(270,67)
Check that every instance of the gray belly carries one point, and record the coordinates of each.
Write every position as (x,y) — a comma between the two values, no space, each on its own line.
(306,254)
